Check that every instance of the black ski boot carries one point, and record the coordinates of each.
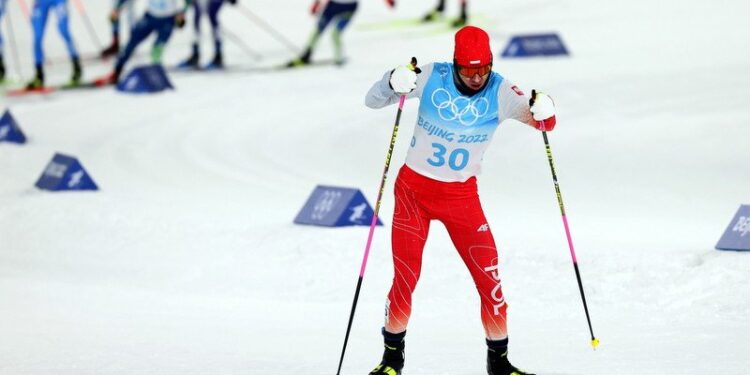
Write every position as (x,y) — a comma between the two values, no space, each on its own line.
(216,63)
(112,50)
(436,13)
(393,356)
(302,60)
(75,78)
(193,61)
(497,360)
(2,69)
(462,20)
(38,81)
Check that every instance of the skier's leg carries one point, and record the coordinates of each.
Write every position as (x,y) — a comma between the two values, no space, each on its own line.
(38,23)
(473,239)
(411,225)
(61,12)
(2,63)
(2,11)
(475,244)
(198,7)
(142,29)
(194,59)
(462,17)
(435,13)
(114,46)
(329,12)
(342,22)
(163,32)
(214,6)
(115,26)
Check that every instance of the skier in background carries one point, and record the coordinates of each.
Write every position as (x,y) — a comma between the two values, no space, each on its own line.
(161,17)
(39,15)
(114,47)
(461,105)
(211,7)
(438,12)
(340,12)
(2,63)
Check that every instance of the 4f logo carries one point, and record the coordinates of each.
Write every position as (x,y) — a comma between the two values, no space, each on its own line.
(497,292)
(742,226)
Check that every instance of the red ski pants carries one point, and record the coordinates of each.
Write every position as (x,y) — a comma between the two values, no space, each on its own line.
(420,200)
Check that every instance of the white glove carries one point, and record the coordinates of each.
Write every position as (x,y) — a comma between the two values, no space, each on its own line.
(543,110)
(403,79)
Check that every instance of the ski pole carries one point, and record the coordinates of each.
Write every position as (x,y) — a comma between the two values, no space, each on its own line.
(240,43)
(374,221)
(87,21)
(25,9)
(13,47)
(594,340)
(265,26)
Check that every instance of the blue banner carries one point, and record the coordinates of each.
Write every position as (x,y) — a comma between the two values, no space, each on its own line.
(145,79)
(65,173)
(737,235)
(333,206)
(9,130)
(535,45)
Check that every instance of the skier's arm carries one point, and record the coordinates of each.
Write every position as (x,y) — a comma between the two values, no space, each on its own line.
(179,18)
(514,104)
(115,15)
(316,6)
(381,94)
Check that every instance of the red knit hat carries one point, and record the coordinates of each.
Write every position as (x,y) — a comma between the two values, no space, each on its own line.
(472,47)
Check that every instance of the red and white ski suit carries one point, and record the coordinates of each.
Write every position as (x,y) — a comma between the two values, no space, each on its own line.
(438,182)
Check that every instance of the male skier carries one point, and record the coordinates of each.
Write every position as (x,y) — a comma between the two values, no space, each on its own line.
(211,7)
(39,15)
(114,47)
(438,12)
(340,12)
(2,63)
(161,17)
(461,105)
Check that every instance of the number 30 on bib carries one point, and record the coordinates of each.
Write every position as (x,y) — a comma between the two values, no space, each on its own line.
(457,159)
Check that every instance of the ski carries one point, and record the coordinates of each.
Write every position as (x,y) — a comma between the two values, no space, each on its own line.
(25,92)
(440,23)
(238,69)
(312,64)
(397,23)
(46,90)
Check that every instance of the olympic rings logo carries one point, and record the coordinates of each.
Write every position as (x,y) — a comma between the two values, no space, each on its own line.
(461,108)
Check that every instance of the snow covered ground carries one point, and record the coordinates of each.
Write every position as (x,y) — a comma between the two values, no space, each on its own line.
(187,261)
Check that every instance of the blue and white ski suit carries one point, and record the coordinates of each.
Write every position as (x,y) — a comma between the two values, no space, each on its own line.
(39,15)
